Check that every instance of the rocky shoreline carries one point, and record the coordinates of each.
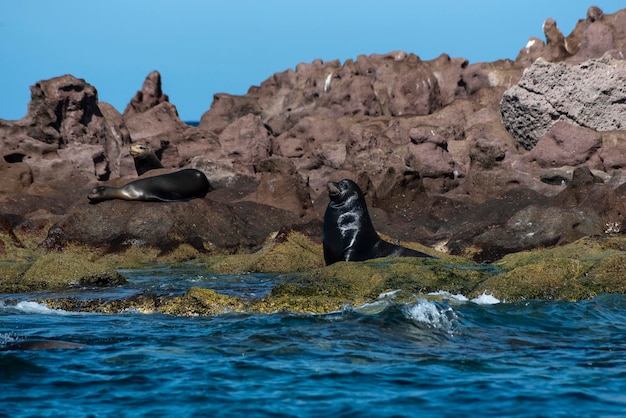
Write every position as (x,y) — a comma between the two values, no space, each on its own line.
(518,166)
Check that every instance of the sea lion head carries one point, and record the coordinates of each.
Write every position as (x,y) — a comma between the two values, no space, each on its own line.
(344,192)
(137,150)
(96,194)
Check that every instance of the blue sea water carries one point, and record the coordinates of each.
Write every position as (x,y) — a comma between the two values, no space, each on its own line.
(451,358)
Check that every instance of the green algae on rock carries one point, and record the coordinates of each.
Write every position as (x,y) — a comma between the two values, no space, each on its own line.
(355,283)
(576,271)
(608,275)
(547,280)
(199,301)
(55,271)
(11,273)
(295,252)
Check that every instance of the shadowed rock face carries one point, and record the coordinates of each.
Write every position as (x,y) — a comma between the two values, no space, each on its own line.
(480,159)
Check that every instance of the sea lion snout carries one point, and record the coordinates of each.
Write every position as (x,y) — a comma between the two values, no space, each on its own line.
(333,189)
(95,193)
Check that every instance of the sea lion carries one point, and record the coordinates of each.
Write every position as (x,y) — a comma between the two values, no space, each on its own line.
(144,157)
(29,345)
(348,231)
(179,185)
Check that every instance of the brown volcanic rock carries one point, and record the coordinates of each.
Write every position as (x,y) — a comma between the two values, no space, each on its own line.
(536,226)
(64,110)
(556,49)
(16,176)
(428,154)
(613,150)
(593,37)
(65,134)
(585,207)
(281,186)
(150,95)
(245,142)
(598,35)
(567,145)
(202,223)
(392,84)
(502,73)
(160,122)
(116,151)
(401,191)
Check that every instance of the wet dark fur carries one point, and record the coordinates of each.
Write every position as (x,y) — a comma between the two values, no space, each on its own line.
(347,212)
(145,159)
(180,185)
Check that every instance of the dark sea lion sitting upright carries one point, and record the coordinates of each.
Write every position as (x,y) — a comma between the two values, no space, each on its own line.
(144,157)
(179,185)
(348,231)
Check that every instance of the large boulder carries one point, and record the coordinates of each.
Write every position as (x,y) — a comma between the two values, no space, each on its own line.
(591,94)
(202,223)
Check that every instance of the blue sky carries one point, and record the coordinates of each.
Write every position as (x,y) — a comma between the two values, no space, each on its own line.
(203,47)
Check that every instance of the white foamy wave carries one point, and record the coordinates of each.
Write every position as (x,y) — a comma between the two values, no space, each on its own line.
(388,295)
(38,308)
(486,299)
(372,308)
(431,314)
(448,295)
(7,338)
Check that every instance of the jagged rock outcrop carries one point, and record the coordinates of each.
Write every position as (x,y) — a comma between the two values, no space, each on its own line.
(479,159)
(150,95)
(65,135)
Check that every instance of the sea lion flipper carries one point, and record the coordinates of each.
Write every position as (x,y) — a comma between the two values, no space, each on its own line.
(163,196)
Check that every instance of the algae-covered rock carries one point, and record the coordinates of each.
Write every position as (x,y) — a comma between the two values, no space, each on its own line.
(10,274)
(298,304)
(589,249)
(198,301)
(292,253)
(576,271)
(65,270)
(56,271)
(355,283)
(608,275)
(139,303)
(548,279)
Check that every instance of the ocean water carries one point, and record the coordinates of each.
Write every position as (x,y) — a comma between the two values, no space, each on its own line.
(451,358)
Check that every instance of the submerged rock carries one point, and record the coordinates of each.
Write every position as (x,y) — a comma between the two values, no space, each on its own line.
(57,272)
